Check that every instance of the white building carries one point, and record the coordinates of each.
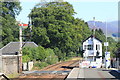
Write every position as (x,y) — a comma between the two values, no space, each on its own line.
(92,50)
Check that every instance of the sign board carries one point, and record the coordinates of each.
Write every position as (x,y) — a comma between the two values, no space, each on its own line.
(23,25)
(106,44)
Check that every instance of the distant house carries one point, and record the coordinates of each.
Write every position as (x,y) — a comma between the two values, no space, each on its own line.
(9,56)
(92,48)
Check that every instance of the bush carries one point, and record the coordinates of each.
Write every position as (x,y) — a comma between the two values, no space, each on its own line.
(25,58)
(61,56)
(72,54)
(51,58)
(29,53)
(40,65)
(46,56)
(38,53)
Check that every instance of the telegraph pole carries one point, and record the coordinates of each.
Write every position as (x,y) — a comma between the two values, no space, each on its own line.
(93,38)
(106,35)
(94,27)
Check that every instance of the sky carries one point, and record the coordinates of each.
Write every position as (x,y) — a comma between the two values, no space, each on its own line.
(102,10)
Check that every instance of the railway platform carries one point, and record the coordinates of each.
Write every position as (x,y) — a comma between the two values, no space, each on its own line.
(92,73)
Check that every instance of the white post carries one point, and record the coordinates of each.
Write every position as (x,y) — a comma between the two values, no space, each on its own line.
(106,48)
(20,37)
(20,50)
(106,53)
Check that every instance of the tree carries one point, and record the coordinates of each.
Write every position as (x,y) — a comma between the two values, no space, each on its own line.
(51,58)
(9,11)
(117,52)
(10,8)
(112,43)
(40,54)
(55,27)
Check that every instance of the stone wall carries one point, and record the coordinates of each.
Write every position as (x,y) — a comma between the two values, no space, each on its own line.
(0,61)
(10,64)
(0,64)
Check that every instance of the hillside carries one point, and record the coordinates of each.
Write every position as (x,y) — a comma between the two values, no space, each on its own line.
(112,27)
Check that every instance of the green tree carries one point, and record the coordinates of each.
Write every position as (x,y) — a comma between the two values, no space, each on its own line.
(29,54)
(51,58)
(112,43)
(54,26)
(60,55)
(9,11)
(39,54)
(10,8)
(117,52)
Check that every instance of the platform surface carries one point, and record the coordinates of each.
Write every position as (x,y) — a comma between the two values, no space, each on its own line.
(81,73)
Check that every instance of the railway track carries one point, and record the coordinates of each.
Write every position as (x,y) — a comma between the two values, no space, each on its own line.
(55,71)
(62,65)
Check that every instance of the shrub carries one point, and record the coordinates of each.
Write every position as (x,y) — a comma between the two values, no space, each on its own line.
(25,58)
(40,65)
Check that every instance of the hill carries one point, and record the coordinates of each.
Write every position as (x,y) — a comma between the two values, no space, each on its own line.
(112,27)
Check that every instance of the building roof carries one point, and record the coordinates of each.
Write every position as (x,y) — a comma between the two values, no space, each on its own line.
(91,37)
(13,47)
